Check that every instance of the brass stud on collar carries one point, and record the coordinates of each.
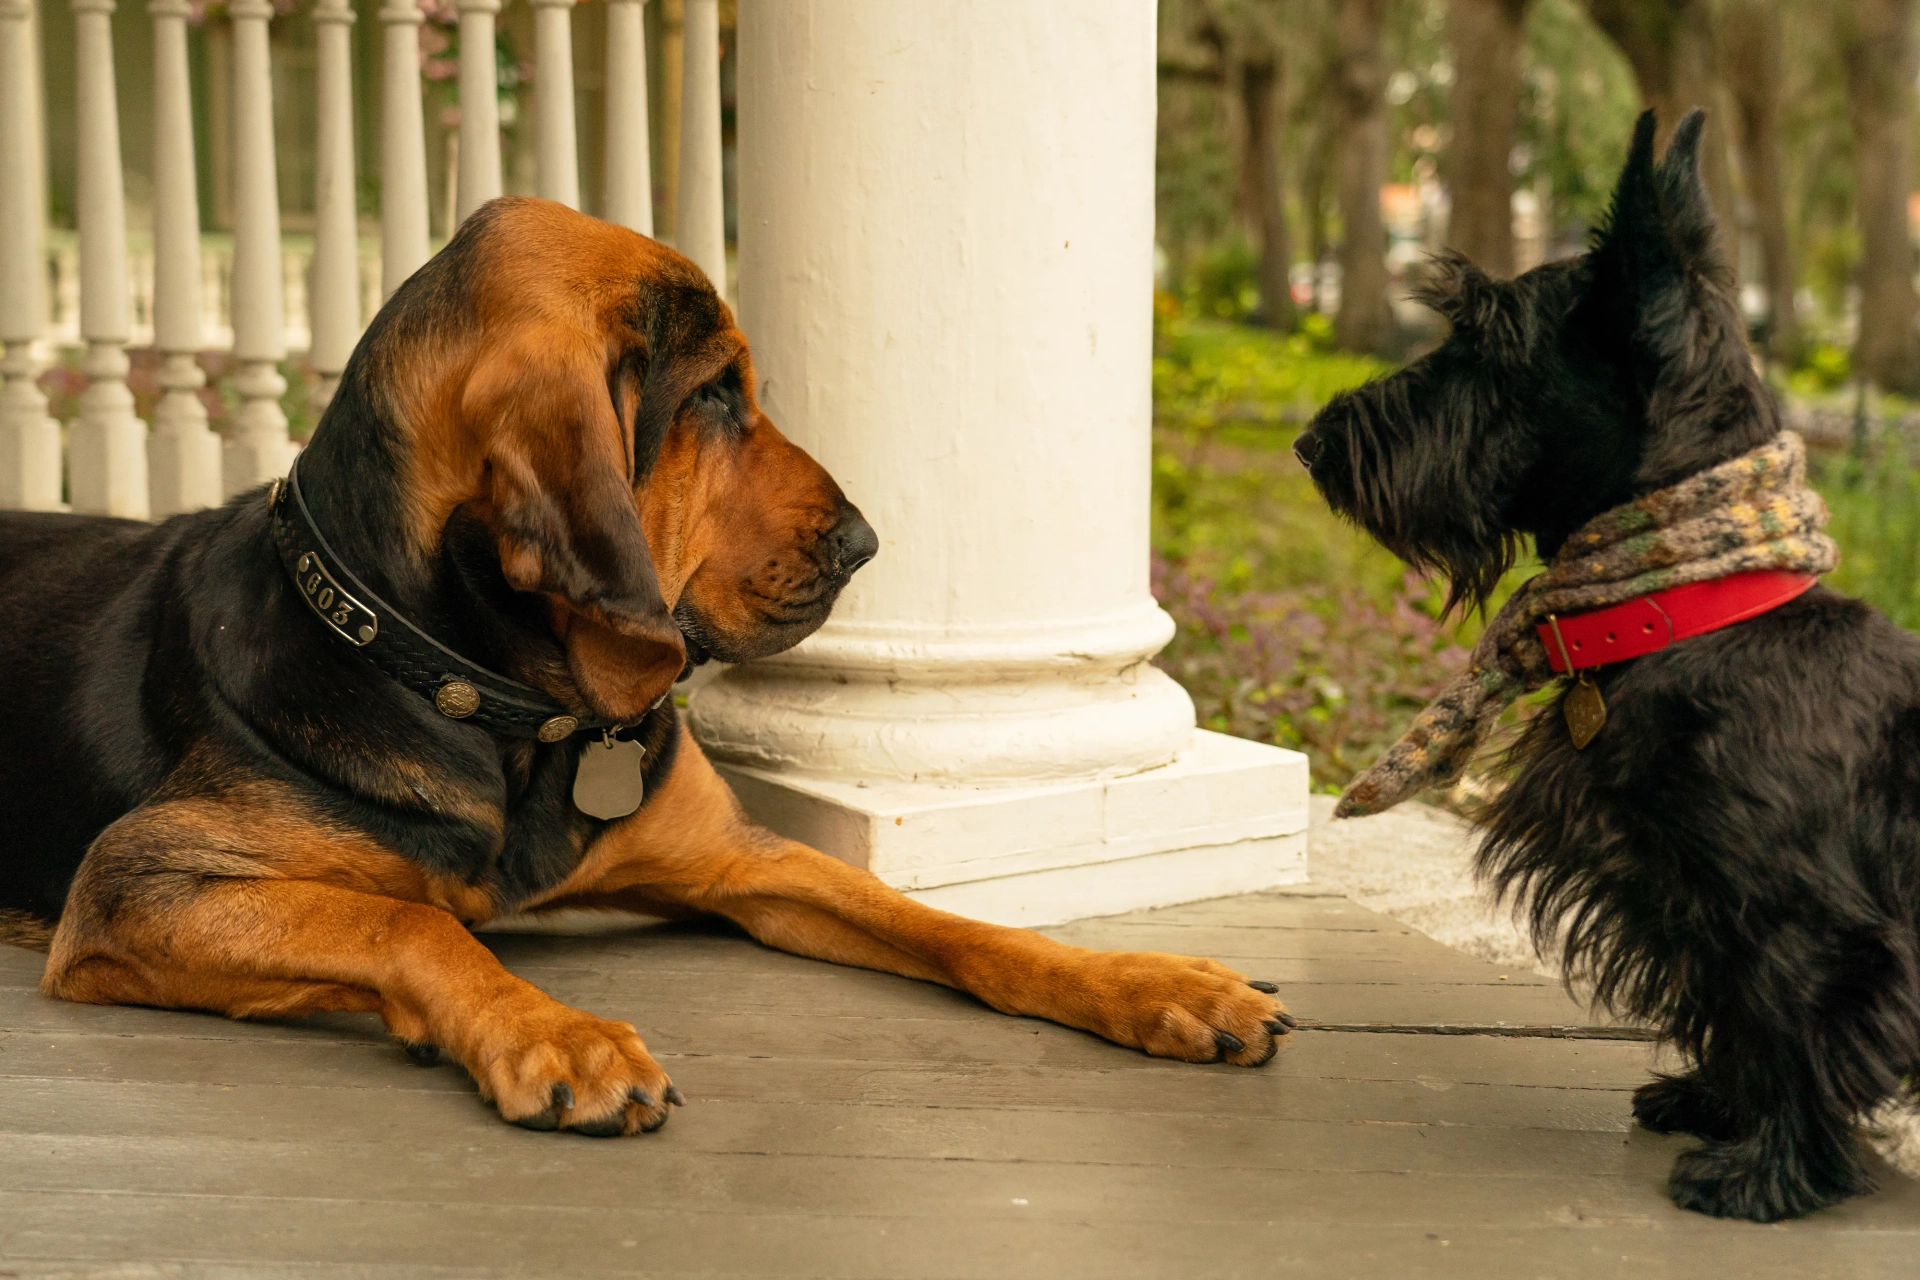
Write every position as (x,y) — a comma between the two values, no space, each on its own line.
(557,728)
(457,699)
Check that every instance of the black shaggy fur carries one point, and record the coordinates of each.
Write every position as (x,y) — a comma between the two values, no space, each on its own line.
(1736,857)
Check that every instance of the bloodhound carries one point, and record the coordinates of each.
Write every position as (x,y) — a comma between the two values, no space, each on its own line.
(283,756)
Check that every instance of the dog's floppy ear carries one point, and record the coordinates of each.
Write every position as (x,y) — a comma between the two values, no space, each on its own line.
(560,465)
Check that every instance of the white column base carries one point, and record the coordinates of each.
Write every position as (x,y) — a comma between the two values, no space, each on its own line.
(1227,816)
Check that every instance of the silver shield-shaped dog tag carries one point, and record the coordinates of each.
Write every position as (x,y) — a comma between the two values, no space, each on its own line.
(608,784)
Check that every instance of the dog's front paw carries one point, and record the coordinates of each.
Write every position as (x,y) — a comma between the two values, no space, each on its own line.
(1744,1179)
(553,1067)
(1182,1007)
(1682,1104)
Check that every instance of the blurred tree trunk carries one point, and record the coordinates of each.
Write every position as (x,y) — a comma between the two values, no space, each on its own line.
(1751,36)
(1262,176)
(1365,320)
(1877,49)
(1670,45)
(1485,38)
(1313,201)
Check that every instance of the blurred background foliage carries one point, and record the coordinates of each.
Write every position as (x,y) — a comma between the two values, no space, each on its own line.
(1314,153)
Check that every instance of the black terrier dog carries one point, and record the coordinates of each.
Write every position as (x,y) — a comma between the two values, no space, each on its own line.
(1736,856)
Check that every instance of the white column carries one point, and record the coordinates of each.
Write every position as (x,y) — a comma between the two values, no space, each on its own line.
(553,101)
(333,292)
(629,175)
(700,225)
(29,439)
(106,444)
(946,272)
(479,107)
(183,458)
(259,450)
(403,150)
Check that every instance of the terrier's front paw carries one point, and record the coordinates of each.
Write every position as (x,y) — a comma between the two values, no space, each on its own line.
(1183,1007)
(554,1067)
(1682,1104)
(1743,1179)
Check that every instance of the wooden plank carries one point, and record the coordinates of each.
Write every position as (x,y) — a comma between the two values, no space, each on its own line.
(571,1240)
(990,1043)
(561,1173)
(641,997)
(1278,1091)
(849,1123)
(721,1125)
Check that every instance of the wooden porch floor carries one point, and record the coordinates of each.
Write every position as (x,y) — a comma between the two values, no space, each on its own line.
(851,1124)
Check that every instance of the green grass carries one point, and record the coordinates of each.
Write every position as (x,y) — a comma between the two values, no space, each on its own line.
(1230,503)
(1875,507)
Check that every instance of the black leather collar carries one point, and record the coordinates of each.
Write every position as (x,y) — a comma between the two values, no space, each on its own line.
(458,689)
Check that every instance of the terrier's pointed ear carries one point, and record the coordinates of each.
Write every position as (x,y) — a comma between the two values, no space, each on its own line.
(1683,194)
(1633,216)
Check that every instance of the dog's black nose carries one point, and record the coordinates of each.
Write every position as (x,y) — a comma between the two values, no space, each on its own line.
(1306,447)
(851,543)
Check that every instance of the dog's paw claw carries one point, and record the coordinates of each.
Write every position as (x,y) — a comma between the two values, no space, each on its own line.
(1228,1043)
(1279,1026)
(1266,988)
(675,1097)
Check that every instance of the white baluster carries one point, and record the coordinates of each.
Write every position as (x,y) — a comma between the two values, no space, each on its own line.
(108,443)
(259,450)
(629,176)
(29,439)
(403,151)
(553,101)
(700,227)
(333,294)
(183,458)
(479,107)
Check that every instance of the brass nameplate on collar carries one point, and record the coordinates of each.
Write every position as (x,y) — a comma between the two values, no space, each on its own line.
(608,783)
(356,623)
(1586,712)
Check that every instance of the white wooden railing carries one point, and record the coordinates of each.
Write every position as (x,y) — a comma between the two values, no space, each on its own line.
(174,294)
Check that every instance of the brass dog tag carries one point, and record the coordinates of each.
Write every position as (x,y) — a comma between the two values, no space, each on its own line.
(608,784)
(1586,711)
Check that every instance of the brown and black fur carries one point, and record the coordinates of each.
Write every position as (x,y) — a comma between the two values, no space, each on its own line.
(546,451)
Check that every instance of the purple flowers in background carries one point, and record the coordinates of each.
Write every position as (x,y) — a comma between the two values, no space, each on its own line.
(1324,670)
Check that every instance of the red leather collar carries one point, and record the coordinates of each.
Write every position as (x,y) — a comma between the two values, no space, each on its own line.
(1646,623)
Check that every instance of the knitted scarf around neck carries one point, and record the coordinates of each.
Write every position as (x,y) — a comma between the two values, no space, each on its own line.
(1751,512)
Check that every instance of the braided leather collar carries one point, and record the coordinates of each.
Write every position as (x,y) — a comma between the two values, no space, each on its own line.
(459,689)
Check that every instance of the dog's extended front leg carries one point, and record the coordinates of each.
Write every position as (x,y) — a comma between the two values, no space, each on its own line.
(190,905)
(692,848)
